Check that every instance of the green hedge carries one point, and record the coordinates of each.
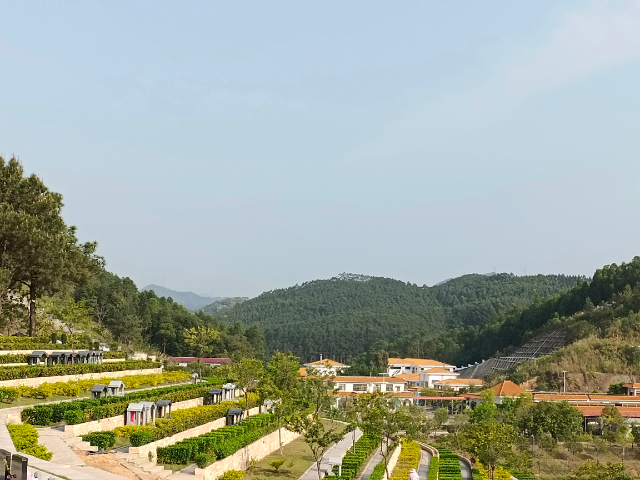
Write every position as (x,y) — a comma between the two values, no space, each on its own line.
(433,468)
(37,371)
(206,449)
(353,460)
(449,465)
(476,474)
(101,440)
(140,437)
(409,458)
(378,472)
(39,343)
(96,409)
(25,439)
(9,394)
(523,476)
(13,358)
(114,355)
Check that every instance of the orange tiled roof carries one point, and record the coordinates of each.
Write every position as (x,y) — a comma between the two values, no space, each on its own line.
(302,372)
(331,363)
(631,385)
(367,380)
(410,377)
(507,389)
(440,370)
(417,361)
(613,398)
(560,397)
(460,381)
(628,412)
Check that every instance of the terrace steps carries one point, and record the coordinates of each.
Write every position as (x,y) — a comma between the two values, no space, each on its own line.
(142,463)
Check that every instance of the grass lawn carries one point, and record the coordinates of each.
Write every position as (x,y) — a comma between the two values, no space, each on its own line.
(297,456)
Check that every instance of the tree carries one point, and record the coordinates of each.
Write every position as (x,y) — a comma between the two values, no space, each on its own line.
(201,339)
(599,447)
(614,428)
(456,425)
(488,442)
(247,374)
(75,316)
(595,471)
(440,417)
(281,384)
(38,251)
(319,440)
(574,446)
(487,410)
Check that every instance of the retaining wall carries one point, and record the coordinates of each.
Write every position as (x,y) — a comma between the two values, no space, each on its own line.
(240,460)
(144,450)
(392,461)
(113,422)
(37,381)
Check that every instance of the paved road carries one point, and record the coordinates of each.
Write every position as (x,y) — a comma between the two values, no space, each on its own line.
(425,461)
(338,450)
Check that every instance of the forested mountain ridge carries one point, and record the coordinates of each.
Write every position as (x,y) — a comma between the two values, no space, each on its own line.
(515,326)
(351,314)
(191,301)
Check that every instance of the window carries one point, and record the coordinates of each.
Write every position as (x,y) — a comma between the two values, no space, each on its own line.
(359,387)
(341,387)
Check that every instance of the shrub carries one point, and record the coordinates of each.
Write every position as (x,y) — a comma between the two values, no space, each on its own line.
(140,437)
(378,472)
(449,465)
(433,469)
(13,358)
(499,474)
(276,464)
(25,439)
(126,431)
(101,440)
(409,458)
(232,475)
(217,444)
(353,460)
(9,394)
(73,417)
(96,409)
(114,355)
(36,371)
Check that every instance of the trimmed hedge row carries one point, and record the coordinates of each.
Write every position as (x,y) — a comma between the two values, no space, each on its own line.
(181,420)
(14,358)
(352,461)
(475,473)
(37,343)
(74,388)
(409,458)
(37,371)
(25,439)
(449,465)
(523,476)
(206,449)
(101,440)
(433,469)
(87,410)
(114,354)
(378,472)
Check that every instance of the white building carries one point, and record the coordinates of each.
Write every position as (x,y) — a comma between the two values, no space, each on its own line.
(325,367)
(457,384)
(370,384)
(399,366)
(430,376)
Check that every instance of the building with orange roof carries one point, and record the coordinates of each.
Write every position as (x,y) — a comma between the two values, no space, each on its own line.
(370,384)
(632,389)
(412,379)
(437,374)
(456,384)
(398,366)
(325,367)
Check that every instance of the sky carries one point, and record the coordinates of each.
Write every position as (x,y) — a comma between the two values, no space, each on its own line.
(231,148)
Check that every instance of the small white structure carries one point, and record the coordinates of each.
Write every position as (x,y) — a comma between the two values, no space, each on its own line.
(234,416)
(163,409)
(215,396)
(141,413)
(195,377)
(115,388)
(228,392)
(99,391)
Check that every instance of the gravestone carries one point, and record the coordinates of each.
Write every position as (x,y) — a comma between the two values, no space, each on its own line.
(5,462)
(19,467)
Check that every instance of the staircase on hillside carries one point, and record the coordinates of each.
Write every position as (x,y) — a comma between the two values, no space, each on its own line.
(543,344)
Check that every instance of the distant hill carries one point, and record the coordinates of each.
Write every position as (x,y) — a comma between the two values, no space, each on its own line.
(223,304)
(352,314)
(191,301)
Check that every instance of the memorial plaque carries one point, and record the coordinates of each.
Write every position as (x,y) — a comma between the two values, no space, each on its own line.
(19,467)
(5,462)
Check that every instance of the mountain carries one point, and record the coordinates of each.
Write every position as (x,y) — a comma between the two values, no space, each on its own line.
(223,304)
(191,301)
(350,314)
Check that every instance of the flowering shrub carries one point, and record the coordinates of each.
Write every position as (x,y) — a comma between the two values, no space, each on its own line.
(499,474)
(25,439)
(409,458)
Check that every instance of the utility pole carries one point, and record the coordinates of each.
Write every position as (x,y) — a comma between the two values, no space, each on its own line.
(564,381)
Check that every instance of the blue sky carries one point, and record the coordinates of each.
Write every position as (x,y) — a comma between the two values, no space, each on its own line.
(237,147)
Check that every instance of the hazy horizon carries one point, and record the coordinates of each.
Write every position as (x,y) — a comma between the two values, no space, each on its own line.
(235,148)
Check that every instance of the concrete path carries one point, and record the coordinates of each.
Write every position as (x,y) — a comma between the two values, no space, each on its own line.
(62,453)
(466,471)
(368,470)
(425,461)
(338,450)
(5,439)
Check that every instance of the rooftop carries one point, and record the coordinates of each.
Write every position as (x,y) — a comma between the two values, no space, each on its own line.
(507,389)
(460,381)
(417,361)
(326,362)
(367,380)
(440,370)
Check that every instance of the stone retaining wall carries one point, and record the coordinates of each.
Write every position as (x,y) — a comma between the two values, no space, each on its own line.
(113,422)
(240,460)
(37,381)
(392,461)
(144,450)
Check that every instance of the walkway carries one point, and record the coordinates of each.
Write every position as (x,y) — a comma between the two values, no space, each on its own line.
(338,450)
(425,461)
(368,470)
(466,471)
